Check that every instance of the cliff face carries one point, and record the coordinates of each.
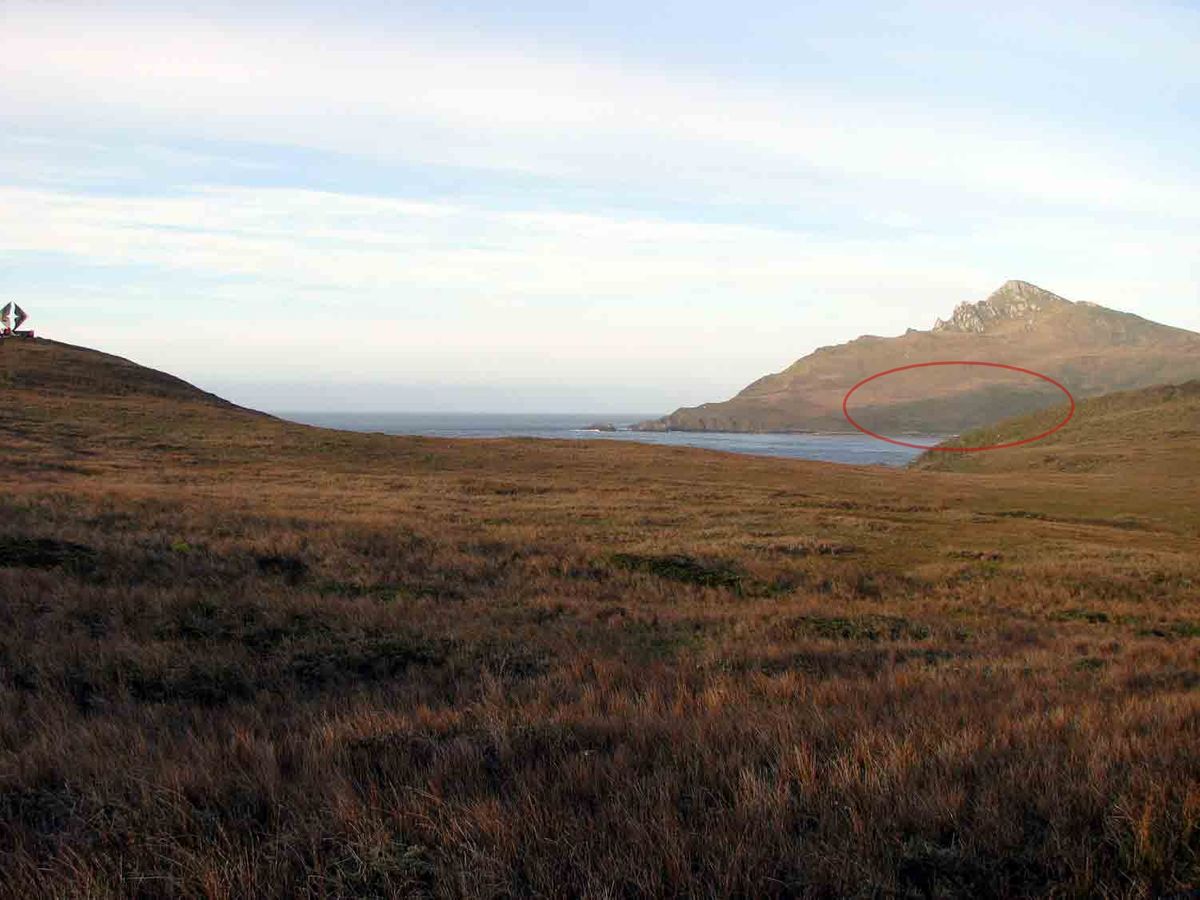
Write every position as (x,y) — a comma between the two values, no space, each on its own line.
(1089,348)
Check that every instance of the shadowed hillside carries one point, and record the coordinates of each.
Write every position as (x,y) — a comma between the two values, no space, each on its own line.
(245,658)
(1090,349)
(1156,430)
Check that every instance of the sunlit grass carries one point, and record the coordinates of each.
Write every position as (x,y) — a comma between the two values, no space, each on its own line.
(245,658)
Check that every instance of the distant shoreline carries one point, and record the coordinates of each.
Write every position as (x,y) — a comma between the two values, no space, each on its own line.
(302,416)
(846,447)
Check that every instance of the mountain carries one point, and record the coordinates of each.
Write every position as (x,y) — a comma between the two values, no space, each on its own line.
(1133,433)
(1091,349)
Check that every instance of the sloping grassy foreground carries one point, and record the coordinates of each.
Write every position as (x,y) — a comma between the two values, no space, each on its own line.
(1149,433)
(245,658)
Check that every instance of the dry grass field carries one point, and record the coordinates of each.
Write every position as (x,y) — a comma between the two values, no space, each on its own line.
(240,657)
(1153,434)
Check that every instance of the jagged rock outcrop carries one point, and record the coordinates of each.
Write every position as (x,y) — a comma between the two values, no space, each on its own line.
(1015,301)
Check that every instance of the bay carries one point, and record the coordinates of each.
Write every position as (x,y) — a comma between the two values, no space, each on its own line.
(856,449)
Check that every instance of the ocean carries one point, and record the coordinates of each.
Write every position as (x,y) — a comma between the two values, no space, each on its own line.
(857,449)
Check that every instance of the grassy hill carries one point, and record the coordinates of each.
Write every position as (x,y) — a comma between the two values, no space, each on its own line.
(1091,349)
(1155,429)
(53,368)
(241,657)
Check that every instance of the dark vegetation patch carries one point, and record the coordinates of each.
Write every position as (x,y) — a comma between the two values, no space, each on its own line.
(1127,522)
(859,628)
(1129,585)
(1172,630)
(18,673)
(46,807)
(826,662)
(1091,616)
(417,585)
(396,866)
(312,649)
(92,683)
(504,489)
(255,626)
(945,868)
(199,682)
(44,466)
(141,560)
(869,584)
(686,569)
(366,658)
(480,754)
(47,553)
(211,681)
(111,520)
(1166,680)
(711,573)
(291,569)
(507,659)
(985,555)
(933,656)
(412,568)
(227,655)
(815,548)
(384,591)
(584,571)
(838,661)
(657,639)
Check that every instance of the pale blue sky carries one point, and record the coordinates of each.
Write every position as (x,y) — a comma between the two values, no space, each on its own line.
(600,207)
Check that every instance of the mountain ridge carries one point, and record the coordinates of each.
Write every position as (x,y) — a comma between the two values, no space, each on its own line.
(1090,348)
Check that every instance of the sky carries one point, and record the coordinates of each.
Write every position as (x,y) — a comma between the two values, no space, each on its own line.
(588,207)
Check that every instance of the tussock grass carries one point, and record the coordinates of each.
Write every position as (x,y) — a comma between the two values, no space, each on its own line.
(279,661)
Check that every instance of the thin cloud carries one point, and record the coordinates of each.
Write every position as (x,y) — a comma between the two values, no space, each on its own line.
(429,99)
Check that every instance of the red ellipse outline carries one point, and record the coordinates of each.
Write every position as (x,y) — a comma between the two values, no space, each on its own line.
(958,362)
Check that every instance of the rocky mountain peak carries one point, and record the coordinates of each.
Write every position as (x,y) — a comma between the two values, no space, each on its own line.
(1091,349)
(1014,301)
